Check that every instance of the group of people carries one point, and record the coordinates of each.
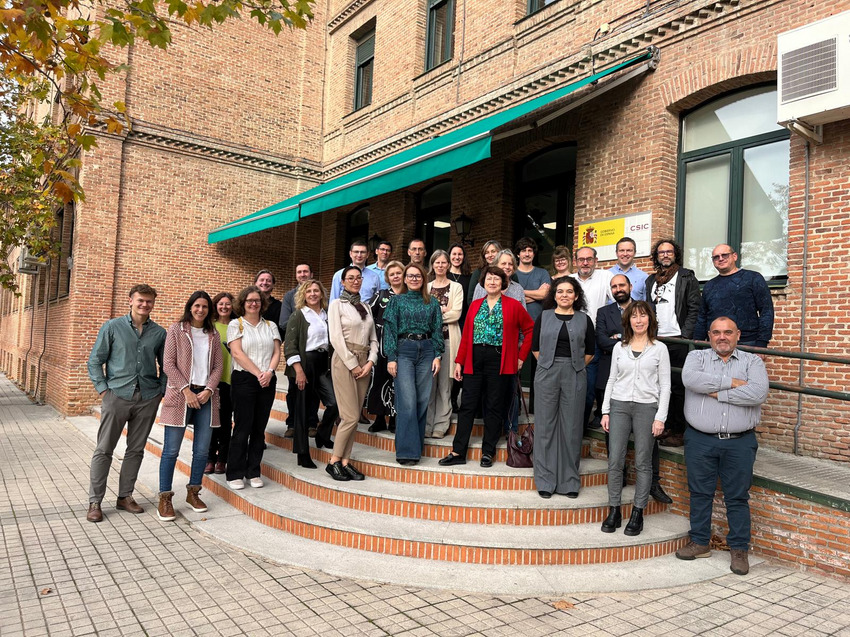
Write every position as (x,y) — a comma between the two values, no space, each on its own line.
(403,341)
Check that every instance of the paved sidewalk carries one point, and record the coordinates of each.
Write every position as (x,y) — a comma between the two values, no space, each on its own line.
(133,575)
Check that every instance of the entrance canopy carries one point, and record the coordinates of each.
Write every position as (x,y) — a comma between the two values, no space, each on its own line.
(444,154)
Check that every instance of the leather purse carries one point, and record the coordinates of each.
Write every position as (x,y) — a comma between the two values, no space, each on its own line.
(521,446)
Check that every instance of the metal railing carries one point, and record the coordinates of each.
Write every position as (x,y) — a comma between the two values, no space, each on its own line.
(799,389)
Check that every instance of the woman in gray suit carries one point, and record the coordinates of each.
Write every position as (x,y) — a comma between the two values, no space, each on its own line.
(563,342)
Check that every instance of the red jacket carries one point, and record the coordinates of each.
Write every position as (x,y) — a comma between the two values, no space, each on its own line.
(514,320)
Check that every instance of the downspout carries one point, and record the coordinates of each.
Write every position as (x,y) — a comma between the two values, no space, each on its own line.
(462,50)
(804,285)
(32,324)
(44,335)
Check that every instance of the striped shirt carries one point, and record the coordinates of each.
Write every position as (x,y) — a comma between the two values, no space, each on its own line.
(258,341)
(734,410)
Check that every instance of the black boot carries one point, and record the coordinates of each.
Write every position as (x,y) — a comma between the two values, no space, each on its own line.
(613,521)
(635,525)
(304,460)
(380,424)
(392,424)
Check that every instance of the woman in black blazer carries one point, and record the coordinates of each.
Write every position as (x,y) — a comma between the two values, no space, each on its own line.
(307,352)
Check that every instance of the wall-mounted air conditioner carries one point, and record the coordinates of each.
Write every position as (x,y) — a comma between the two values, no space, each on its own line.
(27,263)
(814,72)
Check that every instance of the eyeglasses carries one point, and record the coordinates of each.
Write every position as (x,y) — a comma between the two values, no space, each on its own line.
(252,301)
(414,277)
(662,252)
(353,279)
(585,259)
(721,257)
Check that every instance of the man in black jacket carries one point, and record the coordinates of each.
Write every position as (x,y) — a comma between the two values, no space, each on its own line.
(674,293)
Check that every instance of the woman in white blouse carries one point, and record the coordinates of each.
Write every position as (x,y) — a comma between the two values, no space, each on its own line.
(255,346)
(450,296)
(307,351)
(636,400)
(355,344)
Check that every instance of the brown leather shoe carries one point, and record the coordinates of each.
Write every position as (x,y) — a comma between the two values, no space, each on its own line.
(692,550)
(165,510)
(194,501)
(94,514)
(220,468)
(740,562)
(129,504)
(289,433)
(208,469)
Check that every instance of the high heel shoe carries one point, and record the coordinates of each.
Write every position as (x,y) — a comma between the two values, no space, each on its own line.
(304,460)
(614,520)
(635,525)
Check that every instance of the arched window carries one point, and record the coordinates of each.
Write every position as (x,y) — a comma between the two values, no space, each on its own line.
(546,201)
(733,183)
(356,227)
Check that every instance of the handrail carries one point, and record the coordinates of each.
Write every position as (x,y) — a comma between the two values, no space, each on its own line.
(767,351)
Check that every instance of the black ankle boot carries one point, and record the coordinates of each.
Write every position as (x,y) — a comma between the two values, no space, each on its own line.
(635,525)
(614,520)
(304,460)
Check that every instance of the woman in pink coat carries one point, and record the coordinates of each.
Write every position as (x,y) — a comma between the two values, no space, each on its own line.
(193,364)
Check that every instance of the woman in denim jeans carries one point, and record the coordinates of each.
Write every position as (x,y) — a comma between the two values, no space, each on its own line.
(413,343)
(192,362)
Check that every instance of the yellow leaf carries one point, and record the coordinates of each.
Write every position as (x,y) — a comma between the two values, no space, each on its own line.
(74,130)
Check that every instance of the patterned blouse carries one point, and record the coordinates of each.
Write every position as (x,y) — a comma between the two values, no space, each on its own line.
(487,325)
(407,314)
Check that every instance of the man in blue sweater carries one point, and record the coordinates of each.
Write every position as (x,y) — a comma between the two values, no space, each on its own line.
(740,294)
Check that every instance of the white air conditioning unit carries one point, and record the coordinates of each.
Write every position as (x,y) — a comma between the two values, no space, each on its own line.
(27,263)
(814,72)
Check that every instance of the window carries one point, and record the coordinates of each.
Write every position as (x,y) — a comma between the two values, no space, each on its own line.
(434,216)
(536,5)
(733,183)
(546,201)
(440,34)
(356,228)
(364,70)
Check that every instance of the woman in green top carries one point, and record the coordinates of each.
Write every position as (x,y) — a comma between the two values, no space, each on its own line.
(413,343)
(217,458)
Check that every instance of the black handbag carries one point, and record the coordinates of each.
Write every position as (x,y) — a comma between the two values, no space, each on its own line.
(521,446)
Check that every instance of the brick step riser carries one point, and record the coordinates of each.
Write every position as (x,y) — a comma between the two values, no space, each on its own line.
(431,550)
(447,479)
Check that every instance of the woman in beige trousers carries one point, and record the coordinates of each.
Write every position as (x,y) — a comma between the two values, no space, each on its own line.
(352,335)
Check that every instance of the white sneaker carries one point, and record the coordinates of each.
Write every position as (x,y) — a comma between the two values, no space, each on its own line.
(257,483)
(237,484)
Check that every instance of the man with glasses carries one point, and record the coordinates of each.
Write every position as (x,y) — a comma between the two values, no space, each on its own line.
(596,285)
(371,281)
(740,294)
(674,293)
(383,255)
(416,251)
(626,250)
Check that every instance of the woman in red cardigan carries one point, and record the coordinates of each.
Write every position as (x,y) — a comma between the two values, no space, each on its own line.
(489,357)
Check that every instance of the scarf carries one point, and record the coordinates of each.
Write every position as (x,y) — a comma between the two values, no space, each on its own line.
(665,274)
(354,299)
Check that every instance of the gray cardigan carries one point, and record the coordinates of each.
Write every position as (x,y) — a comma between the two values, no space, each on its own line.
(645,379)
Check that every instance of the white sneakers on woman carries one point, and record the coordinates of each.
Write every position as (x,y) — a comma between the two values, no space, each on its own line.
(257,483)
(237,484)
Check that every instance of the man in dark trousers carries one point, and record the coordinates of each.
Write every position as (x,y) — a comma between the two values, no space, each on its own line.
(674,293)
(609,331)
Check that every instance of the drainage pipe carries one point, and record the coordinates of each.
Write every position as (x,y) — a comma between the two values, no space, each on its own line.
(803,286)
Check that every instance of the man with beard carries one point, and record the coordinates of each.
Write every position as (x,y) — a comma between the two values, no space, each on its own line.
(674,293)
(609,331)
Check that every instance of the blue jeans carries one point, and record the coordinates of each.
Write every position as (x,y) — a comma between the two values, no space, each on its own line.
(707,458)
(200,418)
(412,393)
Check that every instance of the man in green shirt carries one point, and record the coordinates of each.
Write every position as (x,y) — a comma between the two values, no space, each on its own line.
(125,366)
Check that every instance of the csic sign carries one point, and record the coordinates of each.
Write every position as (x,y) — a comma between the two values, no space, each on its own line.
(603,234)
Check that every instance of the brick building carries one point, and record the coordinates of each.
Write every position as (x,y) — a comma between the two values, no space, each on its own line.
(379,113)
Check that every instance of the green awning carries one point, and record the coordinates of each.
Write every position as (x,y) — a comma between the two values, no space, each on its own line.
(444,154)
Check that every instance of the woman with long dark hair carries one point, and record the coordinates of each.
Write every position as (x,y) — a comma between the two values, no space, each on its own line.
(636,399)
(192,362)
(352,334)
(255,346)
(563,342)
(460,274)
(222,312)
(307,352)
(413,341)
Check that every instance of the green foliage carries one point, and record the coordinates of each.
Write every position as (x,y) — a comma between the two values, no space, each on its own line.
(54,50)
